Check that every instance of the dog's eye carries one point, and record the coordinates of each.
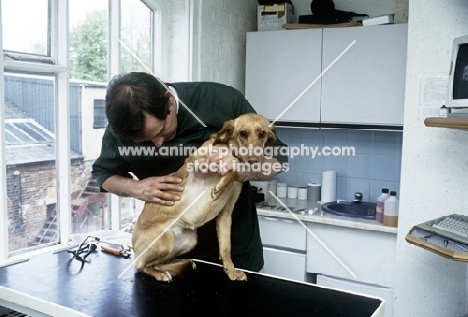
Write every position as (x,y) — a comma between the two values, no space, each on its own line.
(243,134)
(261,134)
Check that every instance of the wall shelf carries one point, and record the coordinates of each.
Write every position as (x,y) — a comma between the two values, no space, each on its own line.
(437,244)
(454,123)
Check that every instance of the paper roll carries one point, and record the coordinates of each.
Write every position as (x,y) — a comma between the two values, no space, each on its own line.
(328,186)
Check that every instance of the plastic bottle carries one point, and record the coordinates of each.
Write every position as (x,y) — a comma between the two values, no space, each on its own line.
(391,207)
(380,205)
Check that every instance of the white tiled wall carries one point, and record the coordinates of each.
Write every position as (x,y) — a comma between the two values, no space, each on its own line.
(376,162)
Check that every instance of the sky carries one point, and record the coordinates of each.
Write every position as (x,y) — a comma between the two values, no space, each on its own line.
(24,21)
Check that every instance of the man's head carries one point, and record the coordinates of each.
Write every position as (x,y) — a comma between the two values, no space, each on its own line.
(136,100)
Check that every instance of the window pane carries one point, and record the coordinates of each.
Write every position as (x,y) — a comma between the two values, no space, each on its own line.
(135,33)
(100,119)
(30,161)
(88,59)
(25,26)
(90,208)
(88,39)
(135,55)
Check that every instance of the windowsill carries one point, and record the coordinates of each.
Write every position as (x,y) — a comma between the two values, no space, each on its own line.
(26,256)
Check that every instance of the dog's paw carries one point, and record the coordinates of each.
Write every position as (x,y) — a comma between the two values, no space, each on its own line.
(236,275)
(163,276)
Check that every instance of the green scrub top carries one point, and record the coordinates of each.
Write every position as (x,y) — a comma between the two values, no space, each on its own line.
(213,104)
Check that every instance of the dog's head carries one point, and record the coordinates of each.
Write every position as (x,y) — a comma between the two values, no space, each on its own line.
(249,134)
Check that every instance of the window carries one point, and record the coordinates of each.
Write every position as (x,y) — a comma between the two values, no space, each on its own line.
(100,119)
(135,37)
(53,125)
(25,131)
(33,39)
(88,39)
(30,161)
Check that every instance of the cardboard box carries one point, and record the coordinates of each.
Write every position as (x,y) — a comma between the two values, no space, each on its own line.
(272,17)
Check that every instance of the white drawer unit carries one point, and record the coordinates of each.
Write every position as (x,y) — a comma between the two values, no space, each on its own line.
(283,233)
(287,264)
(284,247)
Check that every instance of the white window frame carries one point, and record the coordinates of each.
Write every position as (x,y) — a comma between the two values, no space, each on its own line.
(59,70)
(114,66)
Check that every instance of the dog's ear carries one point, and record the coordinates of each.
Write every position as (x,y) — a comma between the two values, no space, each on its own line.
(271,135)
(225,134)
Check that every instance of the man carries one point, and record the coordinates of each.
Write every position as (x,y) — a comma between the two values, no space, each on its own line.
(144,113)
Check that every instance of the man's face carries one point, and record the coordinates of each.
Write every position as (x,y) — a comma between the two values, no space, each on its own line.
(160,131)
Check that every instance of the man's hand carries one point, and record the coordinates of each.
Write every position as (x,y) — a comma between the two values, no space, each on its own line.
(157,189)
(222,164)
(152,189)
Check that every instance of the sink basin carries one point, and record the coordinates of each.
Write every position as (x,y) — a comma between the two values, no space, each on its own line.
(360,209)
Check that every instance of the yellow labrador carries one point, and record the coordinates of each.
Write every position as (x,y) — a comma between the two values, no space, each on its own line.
(157,243)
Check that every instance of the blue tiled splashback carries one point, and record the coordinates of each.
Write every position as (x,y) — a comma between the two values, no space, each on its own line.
(365,161)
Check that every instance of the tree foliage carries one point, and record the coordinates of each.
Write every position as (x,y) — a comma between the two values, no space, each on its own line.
(88,48)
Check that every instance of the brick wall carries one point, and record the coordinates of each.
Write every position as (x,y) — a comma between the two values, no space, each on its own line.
(224,24)
(31,192)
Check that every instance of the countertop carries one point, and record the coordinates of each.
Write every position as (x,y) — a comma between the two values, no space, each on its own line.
(319,217)
(57,285)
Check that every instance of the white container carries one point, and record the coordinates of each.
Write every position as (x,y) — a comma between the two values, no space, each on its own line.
(443,112)
(292,192)
(391,207)
(302,193)
(281,190)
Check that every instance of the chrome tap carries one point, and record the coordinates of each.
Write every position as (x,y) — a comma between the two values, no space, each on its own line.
(357,197)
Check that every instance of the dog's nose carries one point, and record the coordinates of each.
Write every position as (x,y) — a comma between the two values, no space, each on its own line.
(252,159)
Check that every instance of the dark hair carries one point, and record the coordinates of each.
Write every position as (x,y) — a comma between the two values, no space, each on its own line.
(129,97)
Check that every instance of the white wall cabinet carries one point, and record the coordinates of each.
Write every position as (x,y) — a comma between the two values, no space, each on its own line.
(279,67)
(364,87)
(367,84)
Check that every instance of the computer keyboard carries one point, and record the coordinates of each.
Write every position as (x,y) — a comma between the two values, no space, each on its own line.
(454,227)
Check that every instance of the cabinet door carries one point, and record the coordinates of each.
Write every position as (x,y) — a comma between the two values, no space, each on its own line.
(370,255)
(280,65)
(383,292)
(367,84)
